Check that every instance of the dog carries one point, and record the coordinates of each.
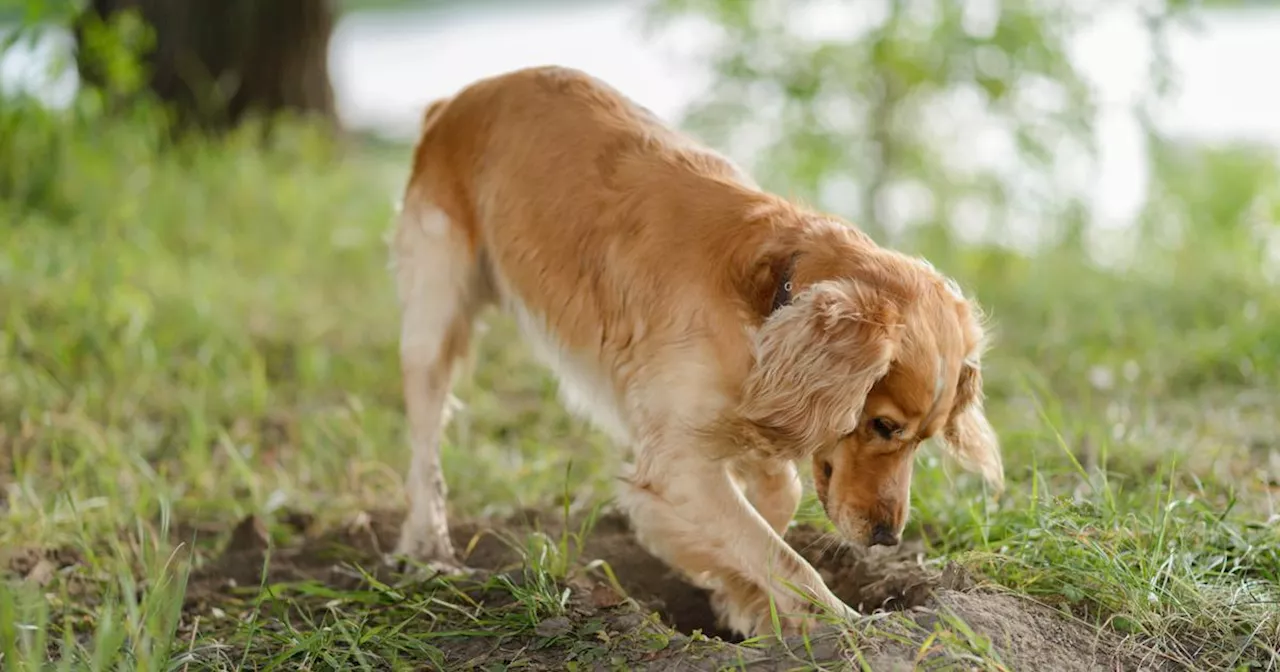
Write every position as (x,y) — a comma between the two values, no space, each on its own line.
(720,332)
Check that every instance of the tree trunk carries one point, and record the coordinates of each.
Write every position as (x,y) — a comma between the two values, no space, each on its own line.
(217,61)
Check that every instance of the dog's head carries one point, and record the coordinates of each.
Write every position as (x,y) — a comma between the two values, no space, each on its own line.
(856,372)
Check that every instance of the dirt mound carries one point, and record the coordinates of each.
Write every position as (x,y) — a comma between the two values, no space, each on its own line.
(908,604)
(868,580)
(890,580)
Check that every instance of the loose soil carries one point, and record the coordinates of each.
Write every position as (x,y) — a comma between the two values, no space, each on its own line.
(653,625)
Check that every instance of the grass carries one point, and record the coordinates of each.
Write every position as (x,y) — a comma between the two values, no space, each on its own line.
(202,333)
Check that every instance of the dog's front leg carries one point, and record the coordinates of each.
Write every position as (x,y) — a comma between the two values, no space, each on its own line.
(773,487)
(687,510)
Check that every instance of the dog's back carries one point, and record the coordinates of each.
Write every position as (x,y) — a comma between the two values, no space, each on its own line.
(599,227)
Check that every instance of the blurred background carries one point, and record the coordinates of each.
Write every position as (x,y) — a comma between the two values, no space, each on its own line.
(198,316)
(195,195)
(215,177)
(1037,110)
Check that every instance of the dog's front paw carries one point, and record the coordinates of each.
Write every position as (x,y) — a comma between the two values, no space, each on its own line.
(805,619)
(735,609)
(748,612)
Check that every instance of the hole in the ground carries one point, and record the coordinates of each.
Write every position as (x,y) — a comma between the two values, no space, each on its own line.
(1029,636)
(867,580)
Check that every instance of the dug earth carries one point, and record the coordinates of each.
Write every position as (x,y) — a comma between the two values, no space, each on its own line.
(622,606)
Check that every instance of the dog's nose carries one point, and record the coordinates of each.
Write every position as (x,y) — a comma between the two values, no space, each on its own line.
(883,535)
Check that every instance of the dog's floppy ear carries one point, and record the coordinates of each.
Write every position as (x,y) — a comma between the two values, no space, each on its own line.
(816,361)
(968,435)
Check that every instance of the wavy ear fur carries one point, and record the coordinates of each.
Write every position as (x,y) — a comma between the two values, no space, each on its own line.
(816,361)
(968,435)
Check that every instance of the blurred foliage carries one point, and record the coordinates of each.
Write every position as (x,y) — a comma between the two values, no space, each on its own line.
(931,124)
(28,128)
(24,11)
(915,112)
(29,13)
(1214,195)
(114,46)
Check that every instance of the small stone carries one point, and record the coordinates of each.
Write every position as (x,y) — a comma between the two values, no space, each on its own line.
(300,521)
(554,627)
(250,535)
(633,622)
(955,577)
(41,573)
(603,596)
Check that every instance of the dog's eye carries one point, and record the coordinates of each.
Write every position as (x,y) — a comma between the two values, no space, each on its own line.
(885,427)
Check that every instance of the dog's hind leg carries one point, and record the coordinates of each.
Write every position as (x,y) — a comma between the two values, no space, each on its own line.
(440,290)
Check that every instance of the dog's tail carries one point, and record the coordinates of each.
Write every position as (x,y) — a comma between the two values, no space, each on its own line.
(433,110)
(430,115)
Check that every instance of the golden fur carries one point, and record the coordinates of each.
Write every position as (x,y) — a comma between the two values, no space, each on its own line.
(642,268)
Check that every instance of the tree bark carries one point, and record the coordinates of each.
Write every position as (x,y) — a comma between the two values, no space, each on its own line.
(216,62)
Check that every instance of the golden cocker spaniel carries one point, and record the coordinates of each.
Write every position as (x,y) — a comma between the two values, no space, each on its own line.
(718,331)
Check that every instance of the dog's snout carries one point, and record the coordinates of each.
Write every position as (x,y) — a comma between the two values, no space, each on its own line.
(883,535)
